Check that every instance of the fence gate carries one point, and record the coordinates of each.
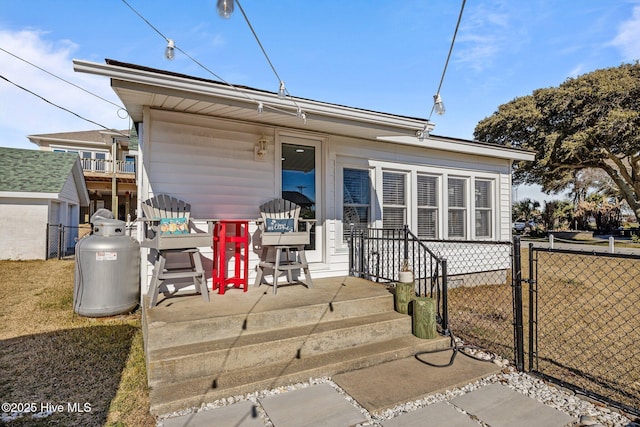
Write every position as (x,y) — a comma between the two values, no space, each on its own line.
(584,323)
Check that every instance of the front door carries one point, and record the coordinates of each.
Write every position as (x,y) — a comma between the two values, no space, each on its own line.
(301,185)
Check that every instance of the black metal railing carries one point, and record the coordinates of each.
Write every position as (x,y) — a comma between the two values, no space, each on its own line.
(379,254)
(584,323)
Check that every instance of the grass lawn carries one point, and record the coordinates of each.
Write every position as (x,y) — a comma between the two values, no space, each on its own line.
(588,320)
(86,371)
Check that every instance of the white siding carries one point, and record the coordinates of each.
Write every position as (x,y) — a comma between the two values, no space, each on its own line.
(210,164)
(69,192)
(23,228)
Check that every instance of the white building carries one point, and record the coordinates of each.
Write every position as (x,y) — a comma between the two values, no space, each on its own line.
(226,150)
(40,192)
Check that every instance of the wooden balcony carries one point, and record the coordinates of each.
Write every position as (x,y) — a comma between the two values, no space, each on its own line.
(103,170)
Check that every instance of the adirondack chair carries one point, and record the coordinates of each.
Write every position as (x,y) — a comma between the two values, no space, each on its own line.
(280,235)
(169,230)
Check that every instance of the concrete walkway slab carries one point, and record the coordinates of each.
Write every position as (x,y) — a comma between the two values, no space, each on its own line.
(499,406)
(317,406)
(383,386)
(242,414)
(436,415)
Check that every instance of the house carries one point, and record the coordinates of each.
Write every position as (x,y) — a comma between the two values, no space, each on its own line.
(39,192)
(227,149)
(108,160)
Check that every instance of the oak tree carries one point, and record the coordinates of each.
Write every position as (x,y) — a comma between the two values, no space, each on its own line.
(591,121)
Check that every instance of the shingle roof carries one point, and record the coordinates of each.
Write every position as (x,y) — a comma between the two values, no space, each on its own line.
(34,171)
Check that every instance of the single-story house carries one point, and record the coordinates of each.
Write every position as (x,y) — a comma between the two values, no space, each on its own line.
(40,192)
(227,149)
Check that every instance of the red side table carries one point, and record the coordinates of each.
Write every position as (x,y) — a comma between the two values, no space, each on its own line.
(230,239)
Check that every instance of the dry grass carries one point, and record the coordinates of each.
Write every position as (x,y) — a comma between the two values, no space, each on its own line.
(48,354)
(588,321)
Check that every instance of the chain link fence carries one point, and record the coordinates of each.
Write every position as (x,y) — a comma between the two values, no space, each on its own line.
(584,318)
(62,239)
(479,286)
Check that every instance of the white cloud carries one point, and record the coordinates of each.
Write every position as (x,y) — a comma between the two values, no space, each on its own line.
(628,37)
(485,32)
(22,113)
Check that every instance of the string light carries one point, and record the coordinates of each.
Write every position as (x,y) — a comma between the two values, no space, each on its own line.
(438,105)
(169,52)
(225,8)
(282,92)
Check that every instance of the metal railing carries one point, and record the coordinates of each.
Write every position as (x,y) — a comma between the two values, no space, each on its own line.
(584,323)
(378,254)
(106,166)
(62,239)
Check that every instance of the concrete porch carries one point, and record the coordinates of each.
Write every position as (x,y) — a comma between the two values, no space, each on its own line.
(241,342)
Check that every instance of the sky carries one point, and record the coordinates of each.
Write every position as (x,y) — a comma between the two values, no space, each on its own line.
(386,56)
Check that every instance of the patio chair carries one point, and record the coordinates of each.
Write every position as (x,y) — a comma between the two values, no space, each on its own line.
(281,238)
(169,230)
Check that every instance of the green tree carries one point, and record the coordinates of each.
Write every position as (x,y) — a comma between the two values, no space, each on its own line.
(557,214)
(524,209)
(591,121)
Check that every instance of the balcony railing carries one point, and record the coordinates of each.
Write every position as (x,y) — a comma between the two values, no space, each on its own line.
(106,166)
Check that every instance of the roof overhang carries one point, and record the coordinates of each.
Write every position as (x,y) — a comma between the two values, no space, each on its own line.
(138,87)
(81,184)
(464,147)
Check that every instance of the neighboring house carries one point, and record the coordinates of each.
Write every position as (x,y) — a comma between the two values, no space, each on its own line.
(226,150)
(108,159)
(38,189)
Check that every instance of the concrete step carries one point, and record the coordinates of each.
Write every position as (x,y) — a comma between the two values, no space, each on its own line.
(184,328)
(168,397)
(246,350)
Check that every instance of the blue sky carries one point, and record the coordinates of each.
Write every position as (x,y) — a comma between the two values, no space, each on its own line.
(380,55)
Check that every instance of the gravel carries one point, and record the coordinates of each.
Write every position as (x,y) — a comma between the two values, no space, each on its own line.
(588,413)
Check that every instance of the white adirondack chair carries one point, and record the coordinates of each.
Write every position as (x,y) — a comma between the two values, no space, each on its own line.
(169,230)
(280,235)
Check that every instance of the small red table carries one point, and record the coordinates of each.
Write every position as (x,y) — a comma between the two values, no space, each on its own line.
(230,239)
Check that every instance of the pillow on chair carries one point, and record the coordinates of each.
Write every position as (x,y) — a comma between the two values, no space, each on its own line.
(279,225)
(174,226)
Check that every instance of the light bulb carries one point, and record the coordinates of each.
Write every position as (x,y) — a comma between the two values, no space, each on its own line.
(225,8)
(281,90)
(169,52)
(438,104)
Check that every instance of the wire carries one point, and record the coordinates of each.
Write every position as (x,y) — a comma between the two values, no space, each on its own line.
(258,40)
(455,348)
(446,64)
(210,71)
(145,20)
(60,107)
(60,78)
(255,35)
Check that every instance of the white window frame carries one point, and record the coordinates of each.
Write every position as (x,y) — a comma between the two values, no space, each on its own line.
(344,204)
(460,209)
(437,207)
(491,208)
(407,196)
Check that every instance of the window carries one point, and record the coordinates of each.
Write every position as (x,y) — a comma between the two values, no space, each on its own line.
(394,207)
(483,208)
(427,207)
(457,217)
(356,199)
